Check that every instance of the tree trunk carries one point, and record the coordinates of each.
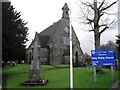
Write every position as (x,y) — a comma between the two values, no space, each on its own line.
(96,30)
(97,39)
(97,47)
(96,26)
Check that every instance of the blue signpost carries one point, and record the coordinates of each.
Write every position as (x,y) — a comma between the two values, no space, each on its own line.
(103,58)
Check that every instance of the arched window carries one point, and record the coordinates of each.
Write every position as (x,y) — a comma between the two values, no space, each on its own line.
(66,35)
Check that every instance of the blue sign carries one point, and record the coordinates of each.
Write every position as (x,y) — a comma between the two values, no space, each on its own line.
(102,57)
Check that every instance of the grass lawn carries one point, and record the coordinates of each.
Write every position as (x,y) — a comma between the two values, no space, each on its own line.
(59,78)
(62,65)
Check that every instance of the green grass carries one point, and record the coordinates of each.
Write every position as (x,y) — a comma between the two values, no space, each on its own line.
(83,78)
(59,78)
(62,65)
(20,68)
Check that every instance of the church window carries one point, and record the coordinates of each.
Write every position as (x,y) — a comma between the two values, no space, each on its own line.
(65,40)
(66,36)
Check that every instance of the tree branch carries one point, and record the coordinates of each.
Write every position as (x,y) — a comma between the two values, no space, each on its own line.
(101,4)
(89,20)
(103,25)
(89,5)
(91,30)
(103,30)
(109,6)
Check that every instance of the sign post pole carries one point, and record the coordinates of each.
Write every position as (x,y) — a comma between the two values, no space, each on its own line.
(117,61)
(95,80)
(117,64)
(112,74)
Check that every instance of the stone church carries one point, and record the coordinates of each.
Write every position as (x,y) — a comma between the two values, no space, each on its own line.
(55,44)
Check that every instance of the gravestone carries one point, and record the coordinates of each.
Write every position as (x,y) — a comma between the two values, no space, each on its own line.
(8,63)
(22,62)
(3,63)
(35,73)
(16,61)
(11,63)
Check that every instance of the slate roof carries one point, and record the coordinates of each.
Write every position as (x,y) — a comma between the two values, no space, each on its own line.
(43,40)
(47,36)
(51,30)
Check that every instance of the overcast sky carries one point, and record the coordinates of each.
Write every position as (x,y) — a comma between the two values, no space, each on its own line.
(40,14)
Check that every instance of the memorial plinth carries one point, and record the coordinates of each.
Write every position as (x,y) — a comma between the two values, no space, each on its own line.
(35,77)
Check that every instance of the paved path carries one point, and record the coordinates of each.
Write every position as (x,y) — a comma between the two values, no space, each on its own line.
(116,86)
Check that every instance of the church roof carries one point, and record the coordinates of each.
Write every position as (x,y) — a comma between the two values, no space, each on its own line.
(51,30)
(43,40)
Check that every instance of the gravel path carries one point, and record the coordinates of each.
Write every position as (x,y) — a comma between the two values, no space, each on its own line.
(115,86)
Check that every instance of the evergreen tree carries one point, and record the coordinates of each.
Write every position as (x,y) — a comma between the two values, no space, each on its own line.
(14,33)
(118,44)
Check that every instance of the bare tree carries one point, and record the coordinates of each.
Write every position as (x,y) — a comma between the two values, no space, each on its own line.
(99,16)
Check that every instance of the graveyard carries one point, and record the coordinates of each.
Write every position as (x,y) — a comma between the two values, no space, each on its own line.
(58,77)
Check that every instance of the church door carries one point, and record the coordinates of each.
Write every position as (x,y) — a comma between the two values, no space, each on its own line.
(76,58)
(48,57)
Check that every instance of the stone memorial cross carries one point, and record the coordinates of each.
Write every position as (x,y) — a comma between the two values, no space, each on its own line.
(35,62)
(35,55)
(35,73)
(35,70)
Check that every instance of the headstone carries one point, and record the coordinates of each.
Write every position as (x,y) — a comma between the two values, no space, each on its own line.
(16,61)
(8,63)
(12,63)
(35,72)
(23,62)
(3,63)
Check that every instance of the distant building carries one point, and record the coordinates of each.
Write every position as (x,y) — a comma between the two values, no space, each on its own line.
(55,44)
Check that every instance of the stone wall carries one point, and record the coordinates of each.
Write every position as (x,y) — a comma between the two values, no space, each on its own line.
(57,60)
(43,53)
(67,59)
(43,61)
(43,56)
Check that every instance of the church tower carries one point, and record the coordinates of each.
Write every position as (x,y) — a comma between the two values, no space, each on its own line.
(65,11)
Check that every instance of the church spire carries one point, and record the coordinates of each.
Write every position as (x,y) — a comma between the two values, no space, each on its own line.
(65,11)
